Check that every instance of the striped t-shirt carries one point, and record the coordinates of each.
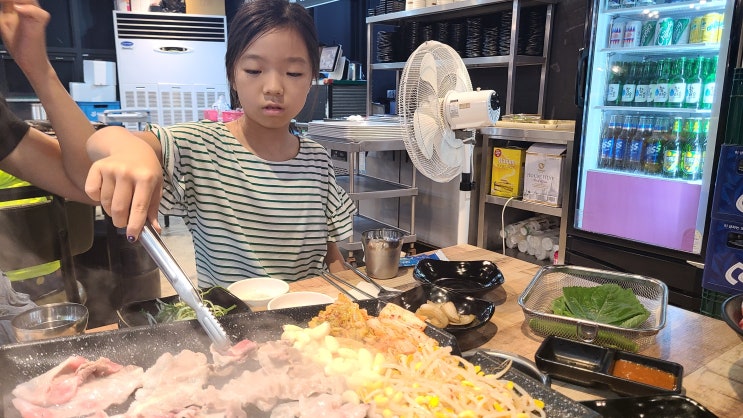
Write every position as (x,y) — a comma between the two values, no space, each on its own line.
(250,217)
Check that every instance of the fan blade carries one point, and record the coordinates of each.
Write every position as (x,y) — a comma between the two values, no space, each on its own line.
(449,149)
(429,71)
(427,131)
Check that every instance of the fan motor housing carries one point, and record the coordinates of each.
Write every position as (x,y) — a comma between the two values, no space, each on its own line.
(471,109)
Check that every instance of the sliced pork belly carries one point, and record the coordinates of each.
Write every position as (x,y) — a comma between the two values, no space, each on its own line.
(172,384)
(237,354)
(323,405)
(77,387)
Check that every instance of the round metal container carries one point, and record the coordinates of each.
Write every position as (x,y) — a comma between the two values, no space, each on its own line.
(382,252)
(50,321)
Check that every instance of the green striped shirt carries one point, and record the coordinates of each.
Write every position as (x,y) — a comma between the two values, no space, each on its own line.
(250,217)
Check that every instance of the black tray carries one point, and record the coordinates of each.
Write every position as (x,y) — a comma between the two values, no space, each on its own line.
(132,314)
(591,365)
(466,305)
(470,277)
(650,406)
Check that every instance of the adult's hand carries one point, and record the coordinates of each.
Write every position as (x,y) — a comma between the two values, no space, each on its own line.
(22,25)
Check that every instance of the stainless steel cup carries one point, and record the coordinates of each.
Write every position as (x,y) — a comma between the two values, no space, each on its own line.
(382,252)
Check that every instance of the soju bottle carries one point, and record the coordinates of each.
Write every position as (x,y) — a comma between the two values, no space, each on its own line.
(621,143)
(660,99)
(691,152)
(708,84)
(672,150)
(606,146)
(636,146)
(677,83)
(652,163)
(693,83)
(652,83)
(615,84)
(630,84)
(643,81)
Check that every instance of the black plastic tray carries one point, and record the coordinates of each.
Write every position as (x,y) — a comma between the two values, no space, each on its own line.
(466,305)
(591,365)
(132,314)
(470,277)
(650,406)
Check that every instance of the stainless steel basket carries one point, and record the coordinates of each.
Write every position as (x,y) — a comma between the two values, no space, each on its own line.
(547,285)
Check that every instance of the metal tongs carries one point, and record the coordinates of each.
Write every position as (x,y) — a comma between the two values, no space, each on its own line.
(186,291)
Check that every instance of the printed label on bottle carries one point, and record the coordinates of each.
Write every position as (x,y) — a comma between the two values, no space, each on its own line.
(652,154)
(661,93)
(641,93)
(690,163)
(612,92)
(693,92)
(708,94)
(619,149)
(670,161)
(676,92)
(628,93)
(651,93)
(607,148)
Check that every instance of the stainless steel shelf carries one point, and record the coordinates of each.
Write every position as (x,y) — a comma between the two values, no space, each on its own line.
(546,136)
(520,204)
(479,62)
(367,187)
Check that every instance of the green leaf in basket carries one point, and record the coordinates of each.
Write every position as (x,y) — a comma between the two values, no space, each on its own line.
(607,303)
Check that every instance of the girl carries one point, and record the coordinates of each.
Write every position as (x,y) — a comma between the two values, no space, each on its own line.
(258,200)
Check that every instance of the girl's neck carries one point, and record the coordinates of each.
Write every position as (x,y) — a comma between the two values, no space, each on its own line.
(272,144)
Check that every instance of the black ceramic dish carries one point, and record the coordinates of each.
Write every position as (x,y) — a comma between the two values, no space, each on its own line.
(731,312)
(592,365)
(133,314)
(470,277)
(650,406)
(466,305)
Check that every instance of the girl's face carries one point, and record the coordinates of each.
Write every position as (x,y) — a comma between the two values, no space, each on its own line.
(273,77)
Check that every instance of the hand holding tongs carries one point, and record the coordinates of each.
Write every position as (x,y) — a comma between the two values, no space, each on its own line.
(177,277)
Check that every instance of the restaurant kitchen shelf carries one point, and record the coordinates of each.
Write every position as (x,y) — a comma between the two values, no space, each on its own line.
(461,10)
(350,176)
(528,136)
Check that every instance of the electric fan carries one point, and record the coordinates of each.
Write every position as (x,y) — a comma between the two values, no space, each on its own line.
(438,112)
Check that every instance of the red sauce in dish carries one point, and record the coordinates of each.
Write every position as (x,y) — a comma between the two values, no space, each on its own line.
(644,374)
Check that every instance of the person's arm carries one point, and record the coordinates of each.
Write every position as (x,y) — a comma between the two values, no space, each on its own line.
(37,160)
(23,26)
(334,259)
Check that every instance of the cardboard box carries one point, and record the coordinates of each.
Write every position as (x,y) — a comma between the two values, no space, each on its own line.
(99,73)
(83,92)
(542,174)
(723,265)
(508,171)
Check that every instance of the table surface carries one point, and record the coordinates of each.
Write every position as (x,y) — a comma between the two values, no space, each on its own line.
(710,352)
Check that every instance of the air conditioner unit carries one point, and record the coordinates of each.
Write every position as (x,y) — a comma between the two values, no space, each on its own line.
(170,63)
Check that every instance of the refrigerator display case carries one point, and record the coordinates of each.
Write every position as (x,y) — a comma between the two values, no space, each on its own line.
(654,79)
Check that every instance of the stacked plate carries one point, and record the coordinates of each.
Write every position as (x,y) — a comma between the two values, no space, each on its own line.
(457,37)
(385,46)
(427,33)
(442,32)
(411,36)
(531,33)
(504,40)
(473,45)
(355,131)
(490,41)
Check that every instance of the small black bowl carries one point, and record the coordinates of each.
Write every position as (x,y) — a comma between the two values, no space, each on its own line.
(133,314)
(649,406)
(466,305)
(731,312)
(470,277)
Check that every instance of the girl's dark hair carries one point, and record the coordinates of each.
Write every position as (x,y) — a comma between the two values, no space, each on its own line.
(256,17)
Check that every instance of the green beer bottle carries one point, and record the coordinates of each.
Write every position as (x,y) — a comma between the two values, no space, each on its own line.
(672,150)
(615,84)
(677,83)
(693,83)
(705,135)
(630,84)
(708,84)
(660,99)
(652,83)
(691,151)
(653,160)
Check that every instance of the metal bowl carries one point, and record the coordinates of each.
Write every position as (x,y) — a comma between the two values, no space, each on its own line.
(731,312)
(49,321)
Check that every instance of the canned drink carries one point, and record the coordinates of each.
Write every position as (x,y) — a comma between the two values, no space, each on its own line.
(647,33)
(695,30)
(613,4)
(632,33)
(711,27)
(680,31)
(664,31)
(616,36)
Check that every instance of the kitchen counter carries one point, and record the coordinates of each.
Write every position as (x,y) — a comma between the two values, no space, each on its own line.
(710,352)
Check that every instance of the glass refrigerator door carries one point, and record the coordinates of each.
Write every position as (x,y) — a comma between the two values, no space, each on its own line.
(650,117)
